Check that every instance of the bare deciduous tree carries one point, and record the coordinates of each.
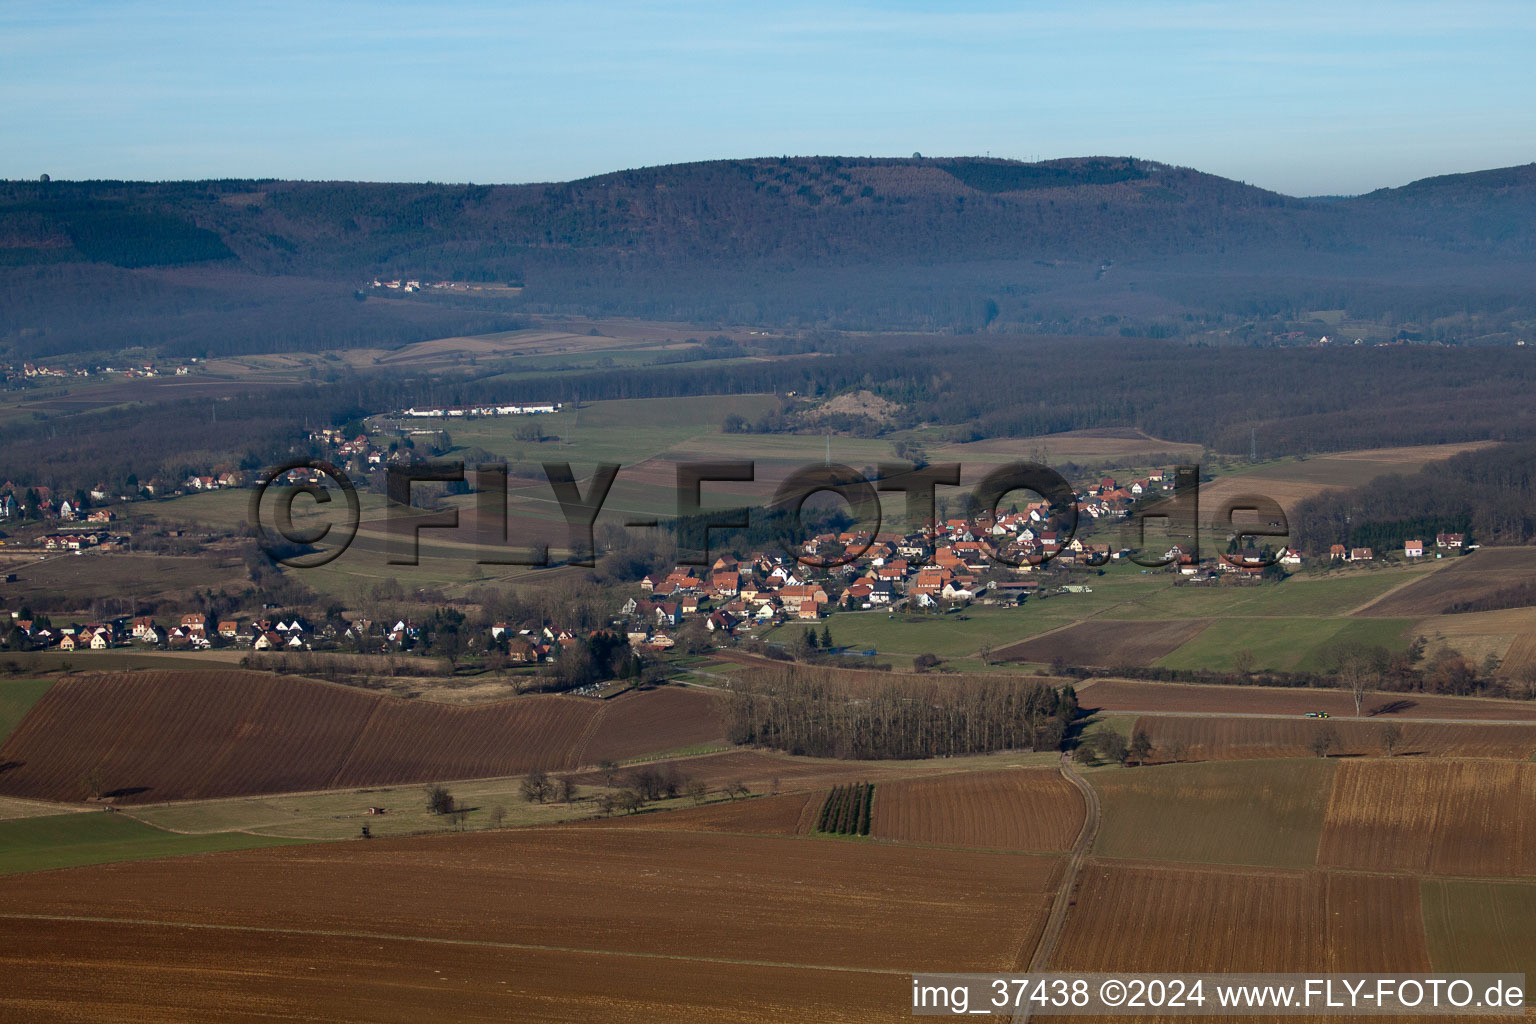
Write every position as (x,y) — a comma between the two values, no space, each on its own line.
(94,784)
(1324,741)
(1391,738)
(536,788)
(1141,747)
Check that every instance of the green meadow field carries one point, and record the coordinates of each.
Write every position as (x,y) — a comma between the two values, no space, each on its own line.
(1265,813)
(71,840)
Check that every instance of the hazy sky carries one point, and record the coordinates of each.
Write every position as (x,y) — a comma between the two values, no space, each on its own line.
(1301,97)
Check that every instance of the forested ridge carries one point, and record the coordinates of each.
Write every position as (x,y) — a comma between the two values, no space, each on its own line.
(1094,245)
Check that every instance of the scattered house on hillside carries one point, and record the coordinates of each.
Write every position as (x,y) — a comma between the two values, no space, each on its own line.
(1360,554)
(1450,541)
(1413,549)
(1338,552)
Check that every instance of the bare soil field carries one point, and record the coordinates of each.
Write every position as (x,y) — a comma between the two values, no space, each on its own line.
(1133,695)
(1439,817)
(129,973)
(1107,644)
(1031,809)
(157,736)
(1142,917)
(1230,739)
(556,898)
(1467,578)
(637,723)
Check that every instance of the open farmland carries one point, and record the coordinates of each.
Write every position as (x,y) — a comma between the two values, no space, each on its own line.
(1467,578)
(1291,481)
(160,973)
(1141,917)
(947,636)
(1093,445)
(1034,809)
(1478,636)
(1227,739)
(16,698)
(40,843)
(1481,925)
(172,736)
(545,901)
(1117,695)
(1266,813)
(1283,644)
(1107,644)
(76,580)
(1440,817)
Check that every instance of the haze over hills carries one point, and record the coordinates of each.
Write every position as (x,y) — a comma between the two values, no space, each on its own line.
(1091,245)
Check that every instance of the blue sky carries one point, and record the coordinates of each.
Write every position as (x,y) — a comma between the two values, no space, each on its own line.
(1302,97)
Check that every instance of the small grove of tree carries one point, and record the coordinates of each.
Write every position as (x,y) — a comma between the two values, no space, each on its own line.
(1112,746)
(498,815)
(1324,741)
(439,800)
(826,712)
(1175,750)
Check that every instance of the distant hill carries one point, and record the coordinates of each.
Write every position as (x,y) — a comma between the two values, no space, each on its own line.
(958,243)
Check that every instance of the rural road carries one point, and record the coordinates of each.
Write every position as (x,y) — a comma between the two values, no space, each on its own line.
(1334,718)
(1057,921)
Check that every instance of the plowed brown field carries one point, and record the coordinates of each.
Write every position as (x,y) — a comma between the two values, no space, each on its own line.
(131,973)
(636,724)
(1466,579)
(1441,817)
(1141,917)
(1108,643)
(1231,739)
(183,735)
(1032,809)
(1132,695)
(540,909)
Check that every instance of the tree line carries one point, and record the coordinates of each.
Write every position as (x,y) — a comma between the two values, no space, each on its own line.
(822,712)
